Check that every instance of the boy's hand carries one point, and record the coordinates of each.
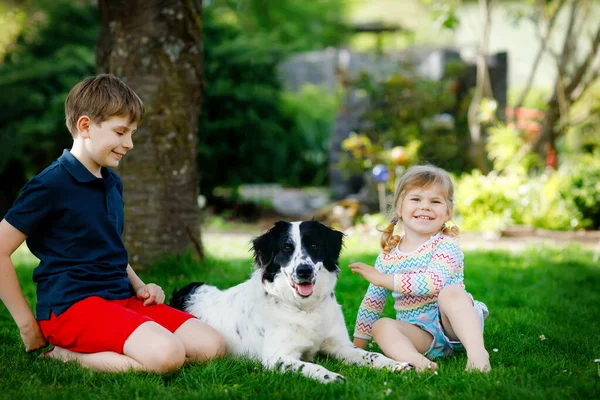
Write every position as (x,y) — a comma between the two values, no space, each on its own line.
(32,336)
(367,272)
(151,293)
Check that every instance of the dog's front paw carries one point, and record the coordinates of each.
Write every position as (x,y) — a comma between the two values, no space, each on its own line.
(401,366)
(331,377)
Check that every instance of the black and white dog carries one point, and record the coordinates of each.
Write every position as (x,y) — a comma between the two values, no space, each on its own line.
(287,311)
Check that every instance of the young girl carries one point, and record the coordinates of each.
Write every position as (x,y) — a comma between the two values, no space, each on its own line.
(435,316)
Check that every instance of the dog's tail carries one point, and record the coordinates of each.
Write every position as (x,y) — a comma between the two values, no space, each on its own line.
(180,297)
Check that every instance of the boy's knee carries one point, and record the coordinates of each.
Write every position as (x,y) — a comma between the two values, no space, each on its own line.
(211,346)
(168,356)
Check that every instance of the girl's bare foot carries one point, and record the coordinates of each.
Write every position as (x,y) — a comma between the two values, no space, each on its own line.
(421,363)
(479,362)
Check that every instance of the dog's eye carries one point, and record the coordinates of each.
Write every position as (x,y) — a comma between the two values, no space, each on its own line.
(314,246)
(287,248)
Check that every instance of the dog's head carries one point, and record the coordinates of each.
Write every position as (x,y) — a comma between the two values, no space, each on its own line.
(298,260)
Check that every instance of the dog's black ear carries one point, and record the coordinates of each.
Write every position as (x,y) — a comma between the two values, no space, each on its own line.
(335,242)
(265,246)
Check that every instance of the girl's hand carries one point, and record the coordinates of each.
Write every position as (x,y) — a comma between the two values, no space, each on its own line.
(32,336)
(151,293)
(367,272)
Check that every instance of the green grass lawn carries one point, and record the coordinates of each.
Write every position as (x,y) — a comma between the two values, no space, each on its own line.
(543,335)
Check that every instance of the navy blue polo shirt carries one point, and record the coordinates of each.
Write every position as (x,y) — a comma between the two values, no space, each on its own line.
(73,222)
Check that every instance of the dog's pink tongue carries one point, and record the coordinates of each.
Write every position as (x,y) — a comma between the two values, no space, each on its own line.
(305,289)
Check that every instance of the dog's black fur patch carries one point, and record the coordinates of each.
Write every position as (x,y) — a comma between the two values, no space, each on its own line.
(180,297)
(276,246)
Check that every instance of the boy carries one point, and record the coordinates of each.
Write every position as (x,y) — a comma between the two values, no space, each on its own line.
(91,305)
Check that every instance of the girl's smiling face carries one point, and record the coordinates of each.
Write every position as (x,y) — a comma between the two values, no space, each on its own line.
(423,211)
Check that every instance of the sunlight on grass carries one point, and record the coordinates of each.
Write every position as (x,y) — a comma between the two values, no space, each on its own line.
(229,246)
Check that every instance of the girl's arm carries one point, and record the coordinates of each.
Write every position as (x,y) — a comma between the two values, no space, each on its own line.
(370,309)
(446,268)
(360,343)
(10,289)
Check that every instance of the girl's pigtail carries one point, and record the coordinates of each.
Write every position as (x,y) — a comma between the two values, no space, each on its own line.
(450,229)
(388,239)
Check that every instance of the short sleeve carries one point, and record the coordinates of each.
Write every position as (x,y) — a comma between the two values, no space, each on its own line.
(31,208)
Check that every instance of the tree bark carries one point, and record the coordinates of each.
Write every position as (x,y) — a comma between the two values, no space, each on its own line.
(572,80)
(155,46)
(544,43)
(482,89)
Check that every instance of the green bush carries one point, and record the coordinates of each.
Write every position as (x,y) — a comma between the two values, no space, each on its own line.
(486,202)
(251,131)
(424,116)
(493,202)
(50,55)
(242,137)
(581,187)
(507,150)
(312,110)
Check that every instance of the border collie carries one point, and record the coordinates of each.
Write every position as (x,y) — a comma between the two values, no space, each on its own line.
(286,312)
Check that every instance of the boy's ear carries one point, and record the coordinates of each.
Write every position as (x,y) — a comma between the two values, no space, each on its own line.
(83,126)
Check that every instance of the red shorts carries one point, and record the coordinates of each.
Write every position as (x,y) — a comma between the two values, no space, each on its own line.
(94,325)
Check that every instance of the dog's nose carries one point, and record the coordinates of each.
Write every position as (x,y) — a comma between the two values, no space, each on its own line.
(304,272)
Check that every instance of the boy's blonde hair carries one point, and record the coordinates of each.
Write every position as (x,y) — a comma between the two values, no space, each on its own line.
(102,97)
(419,176)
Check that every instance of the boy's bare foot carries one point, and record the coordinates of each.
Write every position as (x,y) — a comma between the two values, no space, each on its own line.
(58,353)
(480,362)
(421,363)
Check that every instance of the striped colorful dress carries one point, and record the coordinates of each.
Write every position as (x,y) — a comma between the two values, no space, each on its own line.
(418,278)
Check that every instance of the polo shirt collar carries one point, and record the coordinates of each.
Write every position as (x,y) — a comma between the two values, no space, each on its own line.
(79,171)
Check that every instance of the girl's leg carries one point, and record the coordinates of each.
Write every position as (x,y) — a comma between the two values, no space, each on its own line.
(461,322)
(200,340)
(149,348)
(402,341)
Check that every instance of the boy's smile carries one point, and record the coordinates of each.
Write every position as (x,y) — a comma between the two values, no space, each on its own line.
(104,144)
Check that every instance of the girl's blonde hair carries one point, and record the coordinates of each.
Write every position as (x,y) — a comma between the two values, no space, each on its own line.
(418,177)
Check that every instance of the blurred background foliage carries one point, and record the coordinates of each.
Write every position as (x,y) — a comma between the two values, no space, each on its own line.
(47,56)
(251,130)
(254,131)
(425,117)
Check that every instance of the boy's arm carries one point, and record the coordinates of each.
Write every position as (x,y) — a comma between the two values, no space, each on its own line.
(10,289)
(150,293)
(136,282)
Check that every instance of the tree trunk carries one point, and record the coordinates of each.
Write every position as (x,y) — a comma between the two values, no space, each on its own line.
(547,133)
(156,47)
(482,90)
